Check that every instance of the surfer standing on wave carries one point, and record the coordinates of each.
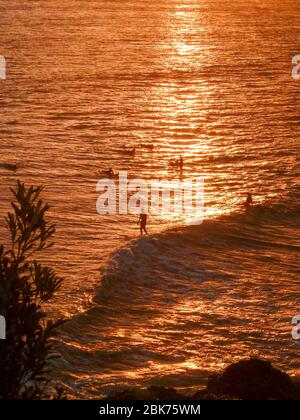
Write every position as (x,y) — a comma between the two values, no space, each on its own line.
(249,201)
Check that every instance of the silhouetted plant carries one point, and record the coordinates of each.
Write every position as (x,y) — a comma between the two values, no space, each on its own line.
(25,285)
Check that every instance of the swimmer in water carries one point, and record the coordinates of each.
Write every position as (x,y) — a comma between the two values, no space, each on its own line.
(110,172)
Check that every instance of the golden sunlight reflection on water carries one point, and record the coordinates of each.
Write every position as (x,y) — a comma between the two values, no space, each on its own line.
(209,81)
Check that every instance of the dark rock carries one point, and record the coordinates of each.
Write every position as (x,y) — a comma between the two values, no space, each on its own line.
(165,393)
(153,393)
(253,379)
(210,396)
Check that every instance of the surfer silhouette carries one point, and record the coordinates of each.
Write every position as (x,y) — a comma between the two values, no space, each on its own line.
(249,201)
(110,172)
(181,162)
(143,223)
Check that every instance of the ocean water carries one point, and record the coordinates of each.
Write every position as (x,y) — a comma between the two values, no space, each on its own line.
(209,80)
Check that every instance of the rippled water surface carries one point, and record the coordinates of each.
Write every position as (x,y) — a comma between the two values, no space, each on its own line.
(209,80)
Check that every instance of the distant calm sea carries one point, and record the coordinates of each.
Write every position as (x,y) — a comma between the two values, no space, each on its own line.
(207,79)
